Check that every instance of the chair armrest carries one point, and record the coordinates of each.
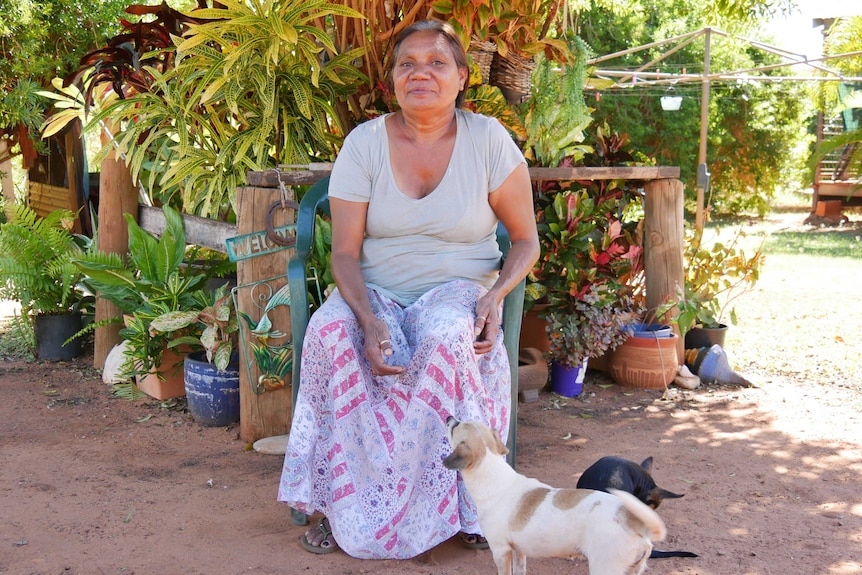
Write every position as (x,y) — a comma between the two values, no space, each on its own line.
(504,242)
(316,198)
(513,313)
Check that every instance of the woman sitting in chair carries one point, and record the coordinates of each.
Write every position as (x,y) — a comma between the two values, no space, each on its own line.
(412,332)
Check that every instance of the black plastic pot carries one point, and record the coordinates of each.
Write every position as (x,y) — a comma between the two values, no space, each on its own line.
(52,331)
(698,337)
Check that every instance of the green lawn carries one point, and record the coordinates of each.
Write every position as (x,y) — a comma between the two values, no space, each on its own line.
(802,319)
(826,242)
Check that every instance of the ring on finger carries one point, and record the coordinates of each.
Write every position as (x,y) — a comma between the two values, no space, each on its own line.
(385,341)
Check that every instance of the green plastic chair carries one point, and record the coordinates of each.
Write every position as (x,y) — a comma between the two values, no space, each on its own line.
(317,199)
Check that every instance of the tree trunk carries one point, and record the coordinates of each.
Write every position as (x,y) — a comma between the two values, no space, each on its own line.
(117,196)
(7,183)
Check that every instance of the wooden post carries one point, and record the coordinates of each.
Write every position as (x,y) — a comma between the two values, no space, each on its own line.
(818,169)
(663,244)
(262,413)
(117,196)
(700,217)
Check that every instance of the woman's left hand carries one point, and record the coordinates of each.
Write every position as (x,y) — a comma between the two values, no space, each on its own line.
(378,348)
(486,325)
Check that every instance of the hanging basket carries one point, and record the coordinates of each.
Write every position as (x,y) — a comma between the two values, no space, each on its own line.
(482,53)
(513,75)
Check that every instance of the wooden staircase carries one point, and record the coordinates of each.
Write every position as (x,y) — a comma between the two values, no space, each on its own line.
(836,179)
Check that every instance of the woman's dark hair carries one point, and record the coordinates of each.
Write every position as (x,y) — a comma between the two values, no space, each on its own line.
(443,29)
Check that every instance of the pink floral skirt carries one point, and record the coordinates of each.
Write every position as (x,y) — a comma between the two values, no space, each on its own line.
(367,451)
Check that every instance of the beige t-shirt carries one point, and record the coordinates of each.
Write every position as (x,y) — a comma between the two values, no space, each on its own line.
(412,245)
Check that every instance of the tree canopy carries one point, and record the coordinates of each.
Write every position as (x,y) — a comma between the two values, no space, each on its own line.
(754,127)
(41,40)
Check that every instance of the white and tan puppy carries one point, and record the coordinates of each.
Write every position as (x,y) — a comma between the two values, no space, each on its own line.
(522,517)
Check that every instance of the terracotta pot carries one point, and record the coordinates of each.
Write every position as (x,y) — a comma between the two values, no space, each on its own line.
(600,363)
(534,332)
(171,383)
(645,363)
(532,374)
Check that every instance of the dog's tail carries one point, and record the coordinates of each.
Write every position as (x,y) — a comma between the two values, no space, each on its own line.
(651,521)
(656,554)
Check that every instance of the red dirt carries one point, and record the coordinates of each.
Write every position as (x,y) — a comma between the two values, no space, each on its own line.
(94,484)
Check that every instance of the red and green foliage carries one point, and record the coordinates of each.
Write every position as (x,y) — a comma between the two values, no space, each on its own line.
(590,269)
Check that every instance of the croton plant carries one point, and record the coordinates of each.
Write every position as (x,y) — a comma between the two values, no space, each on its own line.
(589,274)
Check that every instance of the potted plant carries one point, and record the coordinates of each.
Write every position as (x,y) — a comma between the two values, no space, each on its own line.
(519,26)
(587,234)
(148,282)
(211,370)
(209,326)
(146,271)
(37,270)
(556,116)
(156,368)
(590,327)
(519,29)
(646,358)
(715,276)
(176,89)
(586,276)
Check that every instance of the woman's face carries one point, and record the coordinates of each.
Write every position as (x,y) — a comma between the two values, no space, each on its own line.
(425,74)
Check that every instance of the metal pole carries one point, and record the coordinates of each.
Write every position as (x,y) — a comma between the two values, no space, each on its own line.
(702,174)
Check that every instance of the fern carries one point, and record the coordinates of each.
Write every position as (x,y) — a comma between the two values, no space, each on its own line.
(36,261)
(556,113)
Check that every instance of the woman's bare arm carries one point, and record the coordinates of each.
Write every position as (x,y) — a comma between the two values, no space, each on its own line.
(512,202)
(348,232)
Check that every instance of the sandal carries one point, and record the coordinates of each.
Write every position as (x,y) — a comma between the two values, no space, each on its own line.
(472,540)
(326,545)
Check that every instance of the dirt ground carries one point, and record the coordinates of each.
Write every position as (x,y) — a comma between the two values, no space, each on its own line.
(94,484)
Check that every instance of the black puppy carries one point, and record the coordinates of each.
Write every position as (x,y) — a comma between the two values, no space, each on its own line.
(618,473)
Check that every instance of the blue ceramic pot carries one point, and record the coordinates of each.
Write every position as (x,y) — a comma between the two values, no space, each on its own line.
(213,396)
(650,330)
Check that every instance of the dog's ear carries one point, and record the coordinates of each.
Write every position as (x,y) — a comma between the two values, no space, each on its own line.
(647,464)
(657,495)
(458,459)
(500,446)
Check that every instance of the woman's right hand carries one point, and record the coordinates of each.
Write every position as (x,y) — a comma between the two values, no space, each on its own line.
(348,231)
(378,348)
